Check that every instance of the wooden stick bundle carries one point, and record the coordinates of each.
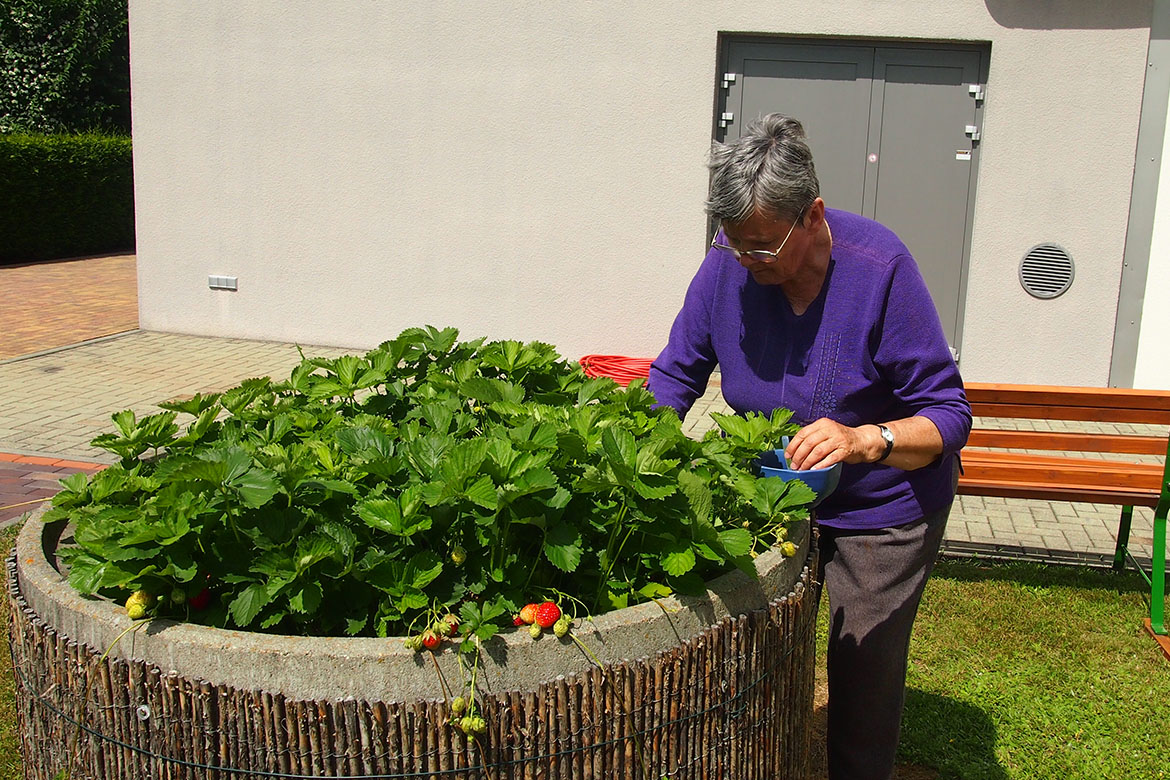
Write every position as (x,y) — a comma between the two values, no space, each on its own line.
(733,701)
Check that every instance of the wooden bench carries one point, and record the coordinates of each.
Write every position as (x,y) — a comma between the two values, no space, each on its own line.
(994,465)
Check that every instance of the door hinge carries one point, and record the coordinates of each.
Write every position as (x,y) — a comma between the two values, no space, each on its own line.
(973,132)
(726,119)
(954,354)
(976,91)
(728,80)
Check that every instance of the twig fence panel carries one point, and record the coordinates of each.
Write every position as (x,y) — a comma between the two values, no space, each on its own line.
(733,702)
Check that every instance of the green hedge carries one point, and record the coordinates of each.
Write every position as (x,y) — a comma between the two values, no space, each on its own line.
(65,196)
(64,66)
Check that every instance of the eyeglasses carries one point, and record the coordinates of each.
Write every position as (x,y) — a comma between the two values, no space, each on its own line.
(759,255)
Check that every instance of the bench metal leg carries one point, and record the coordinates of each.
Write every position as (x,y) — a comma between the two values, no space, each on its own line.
(1158,578)
(1122,538)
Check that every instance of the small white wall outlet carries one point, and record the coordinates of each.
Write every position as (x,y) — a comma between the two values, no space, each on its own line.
(223,282)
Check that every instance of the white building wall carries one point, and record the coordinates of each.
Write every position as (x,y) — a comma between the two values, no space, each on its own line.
(1152,369)
(536,170)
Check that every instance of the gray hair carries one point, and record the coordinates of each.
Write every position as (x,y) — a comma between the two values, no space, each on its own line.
(769,168)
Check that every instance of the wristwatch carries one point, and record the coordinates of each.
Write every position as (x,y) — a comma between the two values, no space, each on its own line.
(888,438)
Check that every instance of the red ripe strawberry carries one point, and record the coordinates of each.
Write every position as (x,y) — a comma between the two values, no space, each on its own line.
(200,600)
(528,613)
(548,614)
(517,620)
(431,640)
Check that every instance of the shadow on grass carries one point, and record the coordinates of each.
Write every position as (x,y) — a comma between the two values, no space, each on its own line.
(1033,574)
(955,738)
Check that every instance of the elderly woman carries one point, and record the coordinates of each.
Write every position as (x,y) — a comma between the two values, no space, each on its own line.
(825,313)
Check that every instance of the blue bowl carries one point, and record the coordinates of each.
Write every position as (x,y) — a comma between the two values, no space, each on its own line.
(823,482)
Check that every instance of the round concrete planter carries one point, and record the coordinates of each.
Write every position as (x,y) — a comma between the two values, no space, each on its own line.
(719,686)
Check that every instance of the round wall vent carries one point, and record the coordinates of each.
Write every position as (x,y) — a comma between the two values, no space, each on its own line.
(1046,271)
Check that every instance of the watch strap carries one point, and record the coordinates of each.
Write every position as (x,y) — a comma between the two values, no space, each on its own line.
(888,438)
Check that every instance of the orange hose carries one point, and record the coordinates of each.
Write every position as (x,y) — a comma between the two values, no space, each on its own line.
(622,370)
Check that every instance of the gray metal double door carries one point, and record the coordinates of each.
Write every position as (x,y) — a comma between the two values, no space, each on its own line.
(894,131)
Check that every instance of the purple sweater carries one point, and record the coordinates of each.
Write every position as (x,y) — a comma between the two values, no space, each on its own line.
(869,349)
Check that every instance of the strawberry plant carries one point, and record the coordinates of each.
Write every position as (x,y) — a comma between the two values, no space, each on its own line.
(378,494)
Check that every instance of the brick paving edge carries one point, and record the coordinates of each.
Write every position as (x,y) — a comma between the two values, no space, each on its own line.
(5,450)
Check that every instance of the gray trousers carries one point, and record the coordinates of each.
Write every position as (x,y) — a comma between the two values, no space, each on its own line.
(874,581)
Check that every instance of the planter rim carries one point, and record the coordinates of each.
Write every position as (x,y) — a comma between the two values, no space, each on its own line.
(306,667)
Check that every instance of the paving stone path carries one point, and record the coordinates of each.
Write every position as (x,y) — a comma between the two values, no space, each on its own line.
(61,302)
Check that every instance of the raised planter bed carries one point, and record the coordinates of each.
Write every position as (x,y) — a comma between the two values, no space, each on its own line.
(714,687)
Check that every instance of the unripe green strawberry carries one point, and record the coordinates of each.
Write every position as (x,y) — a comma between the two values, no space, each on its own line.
(178,597)
(472,724)
(138,603)
(458,555)
(781,533)
(788,549)
(561,627)
(413,643)
(535,630)
(446,625)
(458,705)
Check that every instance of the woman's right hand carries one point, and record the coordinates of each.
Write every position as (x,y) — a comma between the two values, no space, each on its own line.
(825,442)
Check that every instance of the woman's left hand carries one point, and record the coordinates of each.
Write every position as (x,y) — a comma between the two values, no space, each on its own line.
(825,442)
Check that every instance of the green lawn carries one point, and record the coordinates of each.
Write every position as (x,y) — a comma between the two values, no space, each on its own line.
(1031,671)
(1017,671)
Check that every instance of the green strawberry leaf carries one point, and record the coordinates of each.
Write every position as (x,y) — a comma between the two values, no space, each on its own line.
(698,495)
(256,487)
(796,494)
(736,541)
(365,442)
(385,515)
(247,605)
(307,599)
(413,599)
(620,450)
(655,590)
(679,559)
(423,569)
(562,547)
(86,572)
(273,619)
(483,493)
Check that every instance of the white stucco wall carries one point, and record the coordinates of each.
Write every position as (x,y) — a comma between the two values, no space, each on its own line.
(1152,369)
(536,170)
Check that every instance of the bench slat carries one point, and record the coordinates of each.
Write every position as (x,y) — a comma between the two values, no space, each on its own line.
(1068,442)
(1053,474)
(1014,459)
(1051,395)
(1079,413)
(1055,492)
